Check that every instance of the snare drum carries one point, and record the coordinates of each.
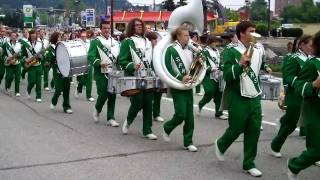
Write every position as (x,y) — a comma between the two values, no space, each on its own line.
(114,83)
(160,86)
(270,88)
(129,86)
(147,84)
(72,58)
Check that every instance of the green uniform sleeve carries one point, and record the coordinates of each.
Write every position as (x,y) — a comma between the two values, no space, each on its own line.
(303,84)
(290,71)
(170,52)
(231,69)
(207,56)
(93,54)
(125,59)
(4,48)
(50,55)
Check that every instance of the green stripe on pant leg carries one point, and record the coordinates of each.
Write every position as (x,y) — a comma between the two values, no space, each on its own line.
(217,97)
(208,87)
(9,76)
(239,123)
(312,154)
(88,83)
(156,104)
(136,105)
(46,70)
(34,79)
(17,77)
(183,107)
(147,113)
(102,85)
(66,93)
(111,105)
(288,121)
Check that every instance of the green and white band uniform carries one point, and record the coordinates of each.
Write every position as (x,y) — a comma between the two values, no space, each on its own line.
(211,80)
(62,84)
(2,66)
(133,51)
(243,101)
(176,58)
(310,114)
(291,68)
(30,50)
(13,70)
(103,49)
(46,66)
(86,79)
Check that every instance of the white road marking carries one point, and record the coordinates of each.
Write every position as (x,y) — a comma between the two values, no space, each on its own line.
(212,110)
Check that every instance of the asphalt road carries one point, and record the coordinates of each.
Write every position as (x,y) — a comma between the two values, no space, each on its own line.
(38,143)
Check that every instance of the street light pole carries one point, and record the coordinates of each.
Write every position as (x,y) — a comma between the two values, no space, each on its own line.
(112,30)
(269,14)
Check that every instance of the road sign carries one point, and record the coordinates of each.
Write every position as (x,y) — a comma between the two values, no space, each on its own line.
(28,15)
(90,18)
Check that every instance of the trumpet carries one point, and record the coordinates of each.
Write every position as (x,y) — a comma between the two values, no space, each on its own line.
(32,61)
(197,64)
(249,51)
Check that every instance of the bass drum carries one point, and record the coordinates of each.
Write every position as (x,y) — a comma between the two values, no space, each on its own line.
(72,58)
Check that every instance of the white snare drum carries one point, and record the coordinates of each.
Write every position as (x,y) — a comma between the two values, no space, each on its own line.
(147,84)
(114,83)
(270,88)
(160,86)
(72,58)
(129,86)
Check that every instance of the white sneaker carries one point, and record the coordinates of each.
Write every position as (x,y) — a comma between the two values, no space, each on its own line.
(165,136)
(91,99)
(223,117)
(151,136)
(47,89)
(191,148)
(254,172)
(317,163)
(18,94)
(158,118)
(76,94)
(39,100)
(112,123)
(52,107)
(95,115)
(125,127)
(28,95)
(261,127)
(69,111)
(219,155)
(276,154)
(291,175)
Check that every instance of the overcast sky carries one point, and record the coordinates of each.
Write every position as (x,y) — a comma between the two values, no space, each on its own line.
(234,4)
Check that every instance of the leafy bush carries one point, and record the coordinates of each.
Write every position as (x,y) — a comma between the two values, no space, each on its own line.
(292,32)
(262,29)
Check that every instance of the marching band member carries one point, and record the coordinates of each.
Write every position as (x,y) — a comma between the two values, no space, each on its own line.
(62,84)
(291,68)
(12,60)
(32,51)
(211,80)
(2,41)
(244,102)
(24,40)
(110,47)
(46,66)
(86,79)
(182,99)
(152,36)
(307,85)
(135,54)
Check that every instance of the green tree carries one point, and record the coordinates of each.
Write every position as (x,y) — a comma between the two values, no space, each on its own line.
(307,12)
(259,10)
(232,15)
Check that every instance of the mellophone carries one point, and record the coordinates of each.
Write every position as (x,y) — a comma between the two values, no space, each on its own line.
(130,85)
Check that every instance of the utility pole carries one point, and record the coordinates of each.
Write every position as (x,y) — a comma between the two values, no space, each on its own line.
(205,19)
(269,14)
(112,17)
